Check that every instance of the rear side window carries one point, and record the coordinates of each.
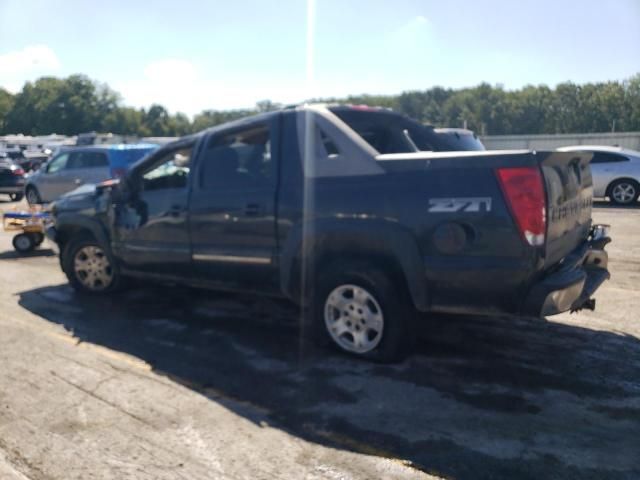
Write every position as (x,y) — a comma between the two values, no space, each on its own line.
(390,132)
(460,141)
(604,157)
(239,159)
(329,145)
(87,160)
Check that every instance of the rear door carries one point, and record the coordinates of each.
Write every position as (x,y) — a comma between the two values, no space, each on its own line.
(87,167)
(569,187)
(232,207)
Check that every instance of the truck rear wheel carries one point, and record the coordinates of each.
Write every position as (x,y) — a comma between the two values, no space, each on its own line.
(359,310)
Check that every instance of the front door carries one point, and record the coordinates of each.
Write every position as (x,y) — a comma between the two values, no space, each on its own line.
(232,208)
(54,178)
(151,231)
(87,167)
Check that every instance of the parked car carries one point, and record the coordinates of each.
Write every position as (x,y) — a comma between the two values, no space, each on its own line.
(334,208)
(615,170)
(33,160)
(75,166)
(11,179)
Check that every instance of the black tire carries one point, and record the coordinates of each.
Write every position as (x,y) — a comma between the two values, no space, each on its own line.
(398,313)
(630,188)
(23,243)
(38,238)
(76,278)
(16,197)
(33,197)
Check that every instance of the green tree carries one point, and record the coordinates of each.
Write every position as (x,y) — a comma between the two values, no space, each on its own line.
(77,104)
(632,103)
(211,118)
(179,124)
(6,104)
(267,106)
(65,106)
(529,110)
(156,119)
(125,120)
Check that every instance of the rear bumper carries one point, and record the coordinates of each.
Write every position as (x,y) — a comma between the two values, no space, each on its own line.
(12,188)
(571,286)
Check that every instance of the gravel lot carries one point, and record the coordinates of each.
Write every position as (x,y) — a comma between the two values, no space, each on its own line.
(164,382)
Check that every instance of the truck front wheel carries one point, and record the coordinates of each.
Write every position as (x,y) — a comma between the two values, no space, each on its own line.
(359,310)
(88,267)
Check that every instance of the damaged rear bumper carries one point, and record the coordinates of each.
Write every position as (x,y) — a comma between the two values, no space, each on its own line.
(572,284)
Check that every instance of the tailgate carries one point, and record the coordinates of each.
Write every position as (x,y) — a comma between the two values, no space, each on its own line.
(569,198)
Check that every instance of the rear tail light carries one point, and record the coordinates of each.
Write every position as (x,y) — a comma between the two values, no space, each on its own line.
(118,172)
(524,192)
(18,171)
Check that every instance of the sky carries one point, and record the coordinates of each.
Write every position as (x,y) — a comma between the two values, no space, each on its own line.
(195,55)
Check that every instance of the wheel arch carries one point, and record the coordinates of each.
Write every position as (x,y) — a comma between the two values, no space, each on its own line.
(34,187)
(388,247)
(69,227)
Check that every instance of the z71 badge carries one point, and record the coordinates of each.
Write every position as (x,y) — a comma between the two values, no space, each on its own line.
(460,204)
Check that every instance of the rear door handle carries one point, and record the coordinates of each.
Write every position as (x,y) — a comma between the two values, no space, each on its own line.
(252,210)
(176,210)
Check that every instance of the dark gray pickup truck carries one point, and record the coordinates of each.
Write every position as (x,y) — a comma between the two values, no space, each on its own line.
(361,215)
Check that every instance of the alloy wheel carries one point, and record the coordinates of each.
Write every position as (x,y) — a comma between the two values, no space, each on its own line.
(354,319)
(624,192)
(92,268)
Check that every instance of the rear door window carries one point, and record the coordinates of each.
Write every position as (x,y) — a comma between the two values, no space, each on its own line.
(238,159)
(389,132)
(605,157)
(87,160)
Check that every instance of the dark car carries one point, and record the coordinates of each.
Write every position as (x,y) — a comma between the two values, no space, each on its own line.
(12,179)
(361,216)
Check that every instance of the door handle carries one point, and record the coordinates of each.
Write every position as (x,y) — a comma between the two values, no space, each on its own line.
(77,181)
(176,210)
(252,210)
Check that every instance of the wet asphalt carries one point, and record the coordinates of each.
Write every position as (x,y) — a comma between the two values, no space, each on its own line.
(169,382)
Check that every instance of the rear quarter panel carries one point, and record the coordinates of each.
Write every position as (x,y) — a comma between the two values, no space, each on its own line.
(473,256)
(469,252)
